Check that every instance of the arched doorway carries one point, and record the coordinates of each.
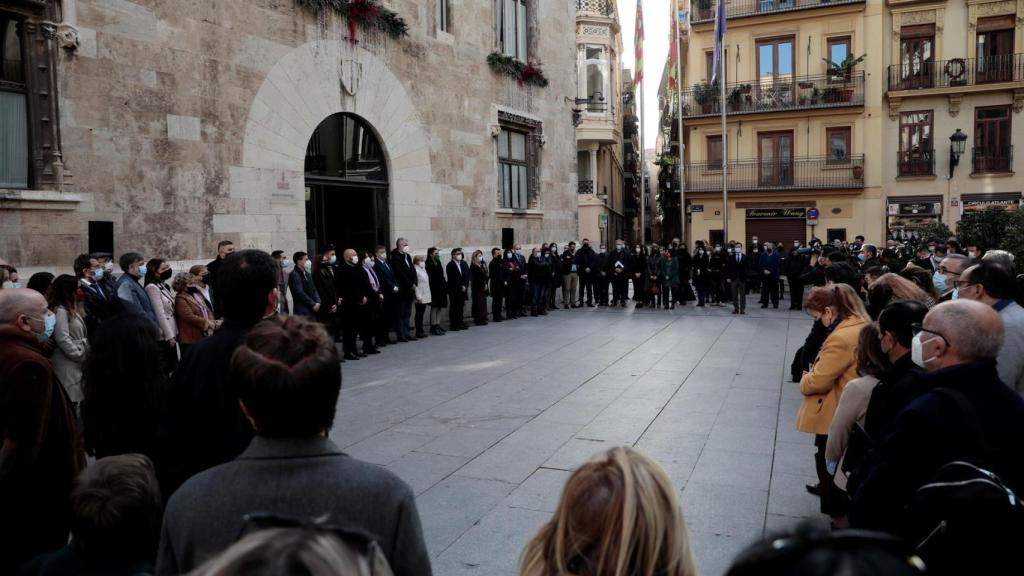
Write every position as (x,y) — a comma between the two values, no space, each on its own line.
(346,186)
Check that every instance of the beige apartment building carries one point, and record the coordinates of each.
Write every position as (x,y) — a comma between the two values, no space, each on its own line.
(164,127)
(954,86)
(601,196)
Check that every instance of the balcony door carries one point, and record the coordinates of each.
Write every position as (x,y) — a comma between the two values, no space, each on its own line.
(915,143)
(992,149)
(775,159)
(994,46)
(775,65)
(917,56)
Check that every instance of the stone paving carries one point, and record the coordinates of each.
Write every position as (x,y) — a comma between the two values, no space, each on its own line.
(486,424)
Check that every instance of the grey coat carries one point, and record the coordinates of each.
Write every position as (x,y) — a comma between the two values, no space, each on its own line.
(134,298)
(298,478)
(1011,356)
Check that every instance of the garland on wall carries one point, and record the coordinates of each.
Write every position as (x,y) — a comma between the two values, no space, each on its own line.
(523,72)
(366,13)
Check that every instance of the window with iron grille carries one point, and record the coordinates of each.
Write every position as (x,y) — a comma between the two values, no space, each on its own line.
(14,144)
(513,170)
(839,141)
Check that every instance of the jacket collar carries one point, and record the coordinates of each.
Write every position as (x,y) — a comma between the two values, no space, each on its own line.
(18,336)
(262,448)
(966,376)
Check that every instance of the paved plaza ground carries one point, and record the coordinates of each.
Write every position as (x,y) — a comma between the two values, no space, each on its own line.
(487,424)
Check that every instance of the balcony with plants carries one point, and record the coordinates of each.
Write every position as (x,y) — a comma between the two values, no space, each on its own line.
(704,10)
(799,173)
(917,75)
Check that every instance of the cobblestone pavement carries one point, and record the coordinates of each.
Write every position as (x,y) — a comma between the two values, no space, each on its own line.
(486,424)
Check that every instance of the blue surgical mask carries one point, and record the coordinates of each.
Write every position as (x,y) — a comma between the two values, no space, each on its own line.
(143,270)
(334,259)
(861,257)
(48,324)
(98,274)
(939,281)
(956,294)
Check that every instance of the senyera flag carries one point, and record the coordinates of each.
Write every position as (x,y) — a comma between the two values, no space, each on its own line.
(639,41)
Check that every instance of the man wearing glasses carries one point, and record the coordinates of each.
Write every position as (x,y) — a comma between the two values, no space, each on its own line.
(967,414)
(992,284)
(948,272)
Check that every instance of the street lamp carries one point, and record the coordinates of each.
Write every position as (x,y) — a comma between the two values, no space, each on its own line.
(956,148)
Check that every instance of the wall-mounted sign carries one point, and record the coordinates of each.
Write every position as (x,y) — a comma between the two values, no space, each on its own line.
(762,213)
(982,204)
(914,208)
(602,221)
(812,215)
(695,208)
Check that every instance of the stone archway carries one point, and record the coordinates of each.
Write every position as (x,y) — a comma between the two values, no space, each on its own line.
(302,89)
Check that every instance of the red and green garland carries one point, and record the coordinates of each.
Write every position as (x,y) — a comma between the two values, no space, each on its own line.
(366,13)
(523,72)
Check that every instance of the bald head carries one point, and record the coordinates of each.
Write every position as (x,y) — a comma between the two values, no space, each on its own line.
(348,255)
(24,308)
(961,331)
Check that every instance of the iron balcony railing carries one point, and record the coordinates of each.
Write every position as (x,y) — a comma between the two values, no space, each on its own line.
(802,173)
(593,105)
(797,93)
(992,160)
(915,162)
(914,75)
(585,187)
(704,10)
(603,7)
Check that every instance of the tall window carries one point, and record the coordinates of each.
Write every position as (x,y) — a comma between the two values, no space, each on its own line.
(775,61)
(512,170)
(916,143)
(994,44)
(709,63)
(442,16)
(917,55)
(13,108)
(839,140)
(594,80)
(838,49)
(776,158)
(510,27)
(992,143)
(714,144)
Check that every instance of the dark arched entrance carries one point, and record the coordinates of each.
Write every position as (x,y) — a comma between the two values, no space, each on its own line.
(346,186)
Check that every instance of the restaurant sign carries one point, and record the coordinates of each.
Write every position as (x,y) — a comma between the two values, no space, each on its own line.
(763,213)
(980,205)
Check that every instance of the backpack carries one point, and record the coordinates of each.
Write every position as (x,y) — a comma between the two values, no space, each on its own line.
(965,519)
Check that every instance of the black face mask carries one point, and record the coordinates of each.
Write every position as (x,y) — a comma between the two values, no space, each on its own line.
(166,275)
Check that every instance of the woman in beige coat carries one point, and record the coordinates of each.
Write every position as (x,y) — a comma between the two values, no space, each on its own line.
(69,336)
(841,311)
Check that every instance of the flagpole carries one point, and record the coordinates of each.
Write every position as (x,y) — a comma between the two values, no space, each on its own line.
(643,170)
(725,134)
(679,103)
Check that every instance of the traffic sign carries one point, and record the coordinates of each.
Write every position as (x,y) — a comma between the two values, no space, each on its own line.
(812,215)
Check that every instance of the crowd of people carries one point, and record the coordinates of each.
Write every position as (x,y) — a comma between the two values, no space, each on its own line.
(203,402)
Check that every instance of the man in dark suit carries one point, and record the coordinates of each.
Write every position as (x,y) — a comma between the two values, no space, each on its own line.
(585,264)
(305,300)
(353,283)
(498,278)
(795,265)
(100,302)
(207,424)
(405,275)
(291,469)
(736,266)
(224,247)
(771,268)
(618,266)
(458,289)
(389,288)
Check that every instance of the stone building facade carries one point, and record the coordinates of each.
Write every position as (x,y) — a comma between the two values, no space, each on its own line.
(168,126)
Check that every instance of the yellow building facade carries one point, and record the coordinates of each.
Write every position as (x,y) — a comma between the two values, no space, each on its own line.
(802,132)
(599,134)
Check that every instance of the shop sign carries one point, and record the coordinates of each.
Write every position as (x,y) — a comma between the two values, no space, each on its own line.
(982,205)
(695,208)
(602,221)
(912,208)
(762,213)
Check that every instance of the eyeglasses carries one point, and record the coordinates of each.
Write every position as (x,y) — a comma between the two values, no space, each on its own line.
(961,285)
(944,270)
(916,328)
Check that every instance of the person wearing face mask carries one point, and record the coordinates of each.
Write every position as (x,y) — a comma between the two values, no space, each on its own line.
(438,290)
(539,269)
(69,334)
(700,272)
(653,279)
(716,271)
(754,277)
(134,299)
(513,285)
(521,284)
(107,279)
(353,285)
(498,276)
(771,267)
(161,298)
(795,265)
(100,302)
(638,272)
(992,284)
(327,287)
(618,263)
(479,287)
(41,454)
(282,279)
(948,273)
(965,414)
(602,276)
(736,271)
(369,320)
(839,310)
(419,263)
(586,263)
(405,274)
(570,276)
(458,290)
(556,276)
(388,287)
(306,300)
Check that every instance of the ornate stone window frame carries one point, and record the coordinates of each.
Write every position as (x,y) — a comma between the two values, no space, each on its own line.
(534,130)
(977,9)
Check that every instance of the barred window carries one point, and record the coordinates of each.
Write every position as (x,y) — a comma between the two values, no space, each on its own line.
(513,169)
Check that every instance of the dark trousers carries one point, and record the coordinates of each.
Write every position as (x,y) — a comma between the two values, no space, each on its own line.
(770,290)
(496,299)
(369,321)
(514,299)
(638,288)
(479,307)
(404,312)
(601,288)
(833,500)
(739,295)
(538,302)
(796,293)
(349,328)
(420,310)
(702,291)
(552,288)
(386,319)
(716,290)
(586,284)
(455,314)
(620,288)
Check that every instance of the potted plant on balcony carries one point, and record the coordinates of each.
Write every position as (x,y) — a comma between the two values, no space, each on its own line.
(704,94)
(843,72)
(858,172)
(735,98)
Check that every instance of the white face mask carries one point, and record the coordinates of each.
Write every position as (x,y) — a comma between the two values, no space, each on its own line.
(917,351)
(285,263)
(308,265)
(602,250)
(405,250)
(109,267)
(354,259)
(458,257)
(368,261)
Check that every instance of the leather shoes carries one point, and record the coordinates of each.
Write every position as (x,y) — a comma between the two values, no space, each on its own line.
(403,339)
(814,489)
(351,356)
(371,351)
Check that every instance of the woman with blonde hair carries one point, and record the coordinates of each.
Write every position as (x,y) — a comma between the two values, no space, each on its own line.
(618,516)
(840,311)
(191,311)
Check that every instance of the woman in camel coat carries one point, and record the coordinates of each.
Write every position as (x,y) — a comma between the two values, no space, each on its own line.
(191,310)
(840,310)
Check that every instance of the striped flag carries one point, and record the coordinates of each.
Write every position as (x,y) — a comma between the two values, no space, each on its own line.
(673,51)
(639,42)
(719,40)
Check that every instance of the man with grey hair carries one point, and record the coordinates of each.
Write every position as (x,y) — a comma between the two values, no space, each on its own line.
(967,414)
(948,273)
(992,284)
(1002,256)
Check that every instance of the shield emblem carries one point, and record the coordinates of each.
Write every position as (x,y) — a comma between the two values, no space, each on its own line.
(350,73)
